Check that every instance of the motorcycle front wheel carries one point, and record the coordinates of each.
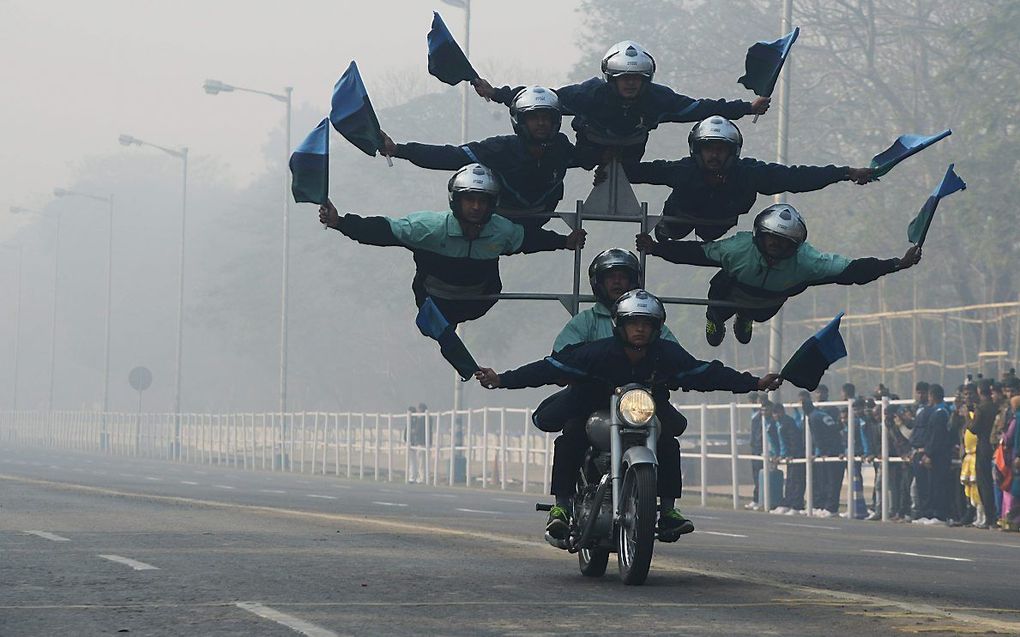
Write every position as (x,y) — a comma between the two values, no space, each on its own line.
(636,537)
(593,562)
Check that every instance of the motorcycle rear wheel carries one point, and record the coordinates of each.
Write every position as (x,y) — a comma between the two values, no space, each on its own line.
(593,562)
(636,537)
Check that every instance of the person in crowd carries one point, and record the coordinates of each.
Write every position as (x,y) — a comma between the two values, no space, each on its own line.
(899,424)
(862,449)
(920,396)
(760,270)
(530,164)
(713,187)
(456,253)
(827,438)
(1010,388)
(931,459)
(958,507)
(417,443)
(635,354)
(978,438)
(1011,495)
(791,448)
(757,415)
(613,114)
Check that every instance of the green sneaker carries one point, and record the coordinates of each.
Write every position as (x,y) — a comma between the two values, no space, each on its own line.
(672,524)
(714,332)
(558,525)
(742,329)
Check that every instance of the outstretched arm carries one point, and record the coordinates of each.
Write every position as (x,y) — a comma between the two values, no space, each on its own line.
(868,269)
(374,231)
(659,172)
(537,374)
(504,94)
(683,252)
(432,156)
(680,108)
(540,240)
(770,179)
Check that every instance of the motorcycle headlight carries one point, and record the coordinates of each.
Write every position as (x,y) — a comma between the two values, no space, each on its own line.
(637,407)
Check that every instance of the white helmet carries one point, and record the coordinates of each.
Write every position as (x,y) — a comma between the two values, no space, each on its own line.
(625,58)
(529,100)
(472,178)
(638,304)
(715,129)
(781,220)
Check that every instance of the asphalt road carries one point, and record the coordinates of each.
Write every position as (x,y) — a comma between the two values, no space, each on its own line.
(95,545)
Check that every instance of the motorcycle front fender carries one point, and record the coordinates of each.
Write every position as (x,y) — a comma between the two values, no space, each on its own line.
(638,455)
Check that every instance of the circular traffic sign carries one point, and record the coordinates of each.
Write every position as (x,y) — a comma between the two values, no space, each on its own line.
(140,378)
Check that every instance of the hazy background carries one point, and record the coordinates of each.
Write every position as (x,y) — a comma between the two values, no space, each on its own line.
(79,74)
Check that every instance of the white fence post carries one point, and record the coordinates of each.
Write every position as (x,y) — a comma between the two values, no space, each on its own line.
(809,472)
(703,415)
(885,461)
(851,451)
(733,455)
(485,447)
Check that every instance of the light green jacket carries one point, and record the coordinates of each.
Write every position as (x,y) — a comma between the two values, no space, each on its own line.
(592,324)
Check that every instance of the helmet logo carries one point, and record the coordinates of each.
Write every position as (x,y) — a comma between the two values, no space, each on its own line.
(785,215)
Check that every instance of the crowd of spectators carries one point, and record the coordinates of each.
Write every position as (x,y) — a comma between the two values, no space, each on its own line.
(952,460)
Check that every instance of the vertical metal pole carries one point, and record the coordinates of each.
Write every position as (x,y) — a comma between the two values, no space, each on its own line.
(885,461)
(578,223)
(458,389)
(776,324)
(485,447)
(851,451)
(733,455)
(286,258)
(809,463)
(766,464)
(109,302)
(502,449)
(17,332)
(53,321)
(703,415)
(389,447)
(180,302)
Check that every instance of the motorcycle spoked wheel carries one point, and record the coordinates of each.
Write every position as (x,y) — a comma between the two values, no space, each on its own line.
(636,537)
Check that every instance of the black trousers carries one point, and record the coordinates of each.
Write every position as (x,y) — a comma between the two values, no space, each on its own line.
(796,481)
(719,289)
(983,467)
(833,485)
(756,467)
(933,489)
(675,230)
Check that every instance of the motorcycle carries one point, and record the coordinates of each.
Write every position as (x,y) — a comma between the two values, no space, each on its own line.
(615,505)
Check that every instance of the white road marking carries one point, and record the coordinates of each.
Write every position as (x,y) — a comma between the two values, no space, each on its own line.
(509,500)
(931,557)
(99,473)
(294,623)
(480,511)
(53,466)
(720,533)
(189,482)
(152,478)
(321,497)
(200,473)
(438,495)
(946,539)
(391,491)
(272,491)
(343,486)
(390,504)
(810,526)
(135,564)
(53,537)
(223,486)
(707,517)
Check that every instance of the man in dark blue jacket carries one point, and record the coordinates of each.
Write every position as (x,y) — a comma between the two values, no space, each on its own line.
(931,462)
(827,438)
(530,164)
(635,354)
(613,114)
(715,185)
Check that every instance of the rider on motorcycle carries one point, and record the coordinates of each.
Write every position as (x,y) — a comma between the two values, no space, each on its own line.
(634,354)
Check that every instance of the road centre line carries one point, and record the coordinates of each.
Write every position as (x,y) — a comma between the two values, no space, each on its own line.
(481,511)
(664,563)
(720,533)
(510,500)
(810,526)
(947,539)
(390,504)
(294,623)
(932,557)
(135,564)
(223,486)
(189,482)
(321,497)
(53,537)
(154,479)
(441,495)
(281,491)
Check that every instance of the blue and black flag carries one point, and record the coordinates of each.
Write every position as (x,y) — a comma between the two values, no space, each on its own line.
(903,147)
(447,61)
(918,229)
(433,324)
(807,365)
(309,167)
(764,62)
(352,115)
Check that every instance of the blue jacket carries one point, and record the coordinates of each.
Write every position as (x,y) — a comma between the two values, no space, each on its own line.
(696,200)
(527,183)
(604,119)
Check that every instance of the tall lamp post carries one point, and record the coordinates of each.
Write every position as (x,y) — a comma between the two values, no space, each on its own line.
(56,278)
(17,324)
(182,154)
(214,87)
(63,192)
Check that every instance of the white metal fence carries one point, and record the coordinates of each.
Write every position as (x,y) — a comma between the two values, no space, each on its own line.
(490,448)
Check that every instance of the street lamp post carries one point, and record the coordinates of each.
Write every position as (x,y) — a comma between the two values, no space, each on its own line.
(182,154)
(61,192)
(214,87)
(17,326)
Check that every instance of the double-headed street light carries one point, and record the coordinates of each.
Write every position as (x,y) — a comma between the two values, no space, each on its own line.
(214,87)
(63,192)
(182,154)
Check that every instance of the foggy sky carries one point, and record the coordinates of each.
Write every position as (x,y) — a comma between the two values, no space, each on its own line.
(77,74)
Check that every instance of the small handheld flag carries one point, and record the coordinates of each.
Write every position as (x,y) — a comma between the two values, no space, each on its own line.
(918,229)
(432,323)
(903,147)
(352,114)
(807,365)
(763,63)
(447,61)
(309,167)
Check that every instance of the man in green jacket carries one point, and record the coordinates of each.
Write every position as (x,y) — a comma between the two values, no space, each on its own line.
(760,270)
